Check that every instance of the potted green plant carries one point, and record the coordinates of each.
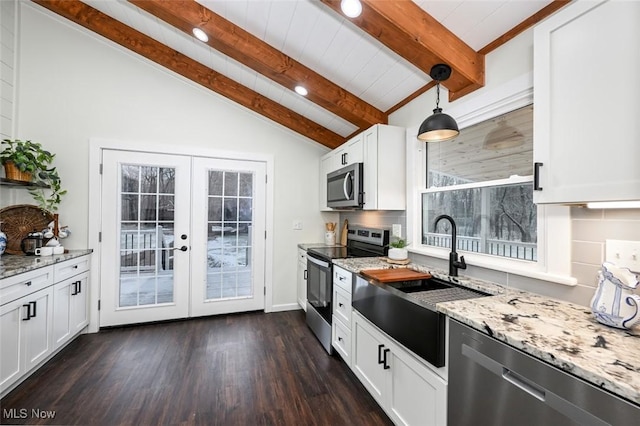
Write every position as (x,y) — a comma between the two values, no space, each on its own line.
(397,250)
(30,158)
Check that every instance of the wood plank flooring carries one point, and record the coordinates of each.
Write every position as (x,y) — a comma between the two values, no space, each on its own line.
(245,369)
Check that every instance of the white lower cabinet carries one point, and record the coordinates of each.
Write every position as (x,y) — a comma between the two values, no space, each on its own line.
(341,302)
(25,330)
(70,314)
(408,391)
(302,278)
(41,311)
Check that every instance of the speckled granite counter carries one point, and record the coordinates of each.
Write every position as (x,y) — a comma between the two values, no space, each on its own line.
(563,334)
(11,265)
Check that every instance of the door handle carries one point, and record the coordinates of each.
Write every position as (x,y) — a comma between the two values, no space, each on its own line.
(75,288)
(384,359)
(305,274)
(536,176)
(28,306)
(35,304)
(183,248)
(347,180)
(380,358)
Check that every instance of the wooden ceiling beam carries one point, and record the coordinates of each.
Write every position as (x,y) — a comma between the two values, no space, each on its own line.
(405,28)
(251,51)
(104,25)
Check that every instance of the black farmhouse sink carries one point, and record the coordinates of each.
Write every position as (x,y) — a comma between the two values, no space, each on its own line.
(406,311)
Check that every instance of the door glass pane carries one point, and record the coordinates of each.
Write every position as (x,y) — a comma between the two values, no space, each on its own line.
(146,235)
(229,235)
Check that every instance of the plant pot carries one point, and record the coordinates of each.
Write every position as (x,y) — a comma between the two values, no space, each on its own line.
(398,253)
(12,172)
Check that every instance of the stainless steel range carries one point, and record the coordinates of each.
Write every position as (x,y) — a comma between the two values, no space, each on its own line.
(361,242)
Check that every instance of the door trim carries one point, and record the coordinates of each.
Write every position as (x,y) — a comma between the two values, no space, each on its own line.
(96,145)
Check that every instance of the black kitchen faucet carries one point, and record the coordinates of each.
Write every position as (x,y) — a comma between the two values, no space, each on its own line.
(454,264)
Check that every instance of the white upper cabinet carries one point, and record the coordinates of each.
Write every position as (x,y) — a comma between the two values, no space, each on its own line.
(587,103)
(382,150)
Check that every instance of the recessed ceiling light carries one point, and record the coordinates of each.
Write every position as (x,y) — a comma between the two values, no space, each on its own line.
(351,8)
(301,91)
(200,35)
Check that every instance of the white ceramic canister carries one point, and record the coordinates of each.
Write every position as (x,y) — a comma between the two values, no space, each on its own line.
(330,238)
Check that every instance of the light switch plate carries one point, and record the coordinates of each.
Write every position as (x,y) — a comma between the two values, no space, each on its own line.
(396,230)
(624,253)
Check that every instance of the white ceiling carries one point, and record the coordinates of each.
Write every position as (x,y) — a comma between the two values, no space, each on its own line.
(328,43)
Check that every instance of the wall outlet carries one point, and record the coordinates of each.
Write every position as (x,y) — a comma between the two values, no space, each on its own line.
(297,225)
(396,230)
(624,253)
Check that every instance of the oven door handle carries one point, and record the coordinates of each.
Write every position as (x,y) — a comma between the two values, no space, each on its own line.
(318,262)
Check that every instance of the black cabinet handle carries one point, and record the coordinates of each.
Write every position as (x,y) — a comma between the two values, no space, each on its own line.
(305,274)
(183,236)
(384,361)
(28,306)
(75,266)
(536,176)
(339,339)
(380,359)
(75,288)
(346,157)
(28,283)
(35,304)
(79,286)
(340,304)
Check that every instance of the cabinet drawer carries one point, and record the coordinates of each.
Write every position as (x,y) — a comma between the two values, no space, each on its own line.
(342,279)
(342,340)
(302,255)
(15,287)
(69,268)
(342,306)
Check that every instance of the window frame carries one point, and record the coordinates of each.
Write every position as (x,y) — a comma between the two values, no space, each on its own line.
(554,259)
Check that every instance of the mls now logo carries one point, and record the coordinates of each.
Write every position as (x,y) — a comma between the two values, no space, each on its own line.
(23,413)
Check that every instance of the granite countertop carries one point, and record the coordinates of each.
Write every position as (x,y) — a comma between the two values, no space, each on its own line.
(11,265)
(563,334)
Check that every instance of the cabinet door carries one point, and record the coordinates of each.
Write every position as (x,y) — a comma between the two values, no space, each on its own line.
(416,396)
(368,346)
(585,157)
(62,312)
(354,150)
(79,304)
(302,284)
(38,338)
(11,337)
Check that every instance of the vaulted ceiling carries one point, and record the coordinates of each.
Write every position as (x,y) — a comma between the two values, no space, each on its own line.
(356,70)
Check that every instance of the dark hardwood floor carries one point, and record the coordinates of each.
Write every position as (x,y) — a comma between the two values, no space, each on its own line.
(245,369)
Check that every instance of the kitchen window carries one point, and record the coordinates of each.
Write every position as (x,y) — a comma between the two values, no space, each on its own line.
(487,191)
(483,180)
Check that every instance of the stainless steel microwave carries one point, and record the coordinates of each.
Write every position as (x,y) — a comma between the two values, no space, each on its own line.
(345,187)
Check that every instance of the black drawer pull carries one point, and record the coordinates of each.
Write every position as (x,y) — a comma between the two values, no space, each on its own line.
(75,288)
(26,305)
(339,339)
(380,359)
(536,176)
(75,266)
(340,304)
(384,361)
(28,283)
(35,304)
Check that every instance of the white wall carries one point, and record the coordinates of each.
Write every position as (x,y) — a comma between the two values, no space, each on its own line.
(75,85)
(8,16)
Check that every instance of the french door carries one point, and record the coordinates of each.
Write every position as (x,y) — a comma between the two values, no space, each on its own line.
(181,236)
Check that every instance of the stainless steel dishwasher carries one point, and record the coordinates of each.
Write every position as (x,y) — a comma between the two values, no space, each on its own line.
(491,383)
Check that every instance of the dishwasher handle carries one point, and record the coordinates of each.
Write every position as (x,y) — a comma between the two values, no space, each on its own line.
(524,384)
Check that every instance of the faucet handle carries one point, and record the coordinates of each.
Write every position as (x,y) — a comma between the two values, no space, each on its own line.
(462,264)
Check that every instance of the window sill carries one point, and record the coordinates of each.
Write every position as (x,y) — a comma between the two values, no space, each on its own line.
(511,266)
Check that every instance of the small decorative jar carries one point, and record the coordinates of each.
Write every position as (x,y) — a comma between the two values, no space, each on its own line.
(330,238)
(3,241)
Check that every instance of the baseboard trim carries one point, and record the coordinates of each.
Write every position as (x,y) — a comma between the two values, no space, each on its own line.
(285,307)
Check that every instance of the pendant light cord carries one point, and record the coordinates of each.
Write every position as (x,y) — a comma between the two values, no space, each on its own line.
(437,94)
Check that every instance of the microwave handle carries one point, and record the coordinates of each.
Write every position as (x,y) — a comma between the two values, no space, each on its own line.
(347,193)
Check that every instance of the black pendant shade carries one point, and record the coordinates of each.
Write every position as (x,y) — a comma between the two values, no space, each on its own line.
(438,127)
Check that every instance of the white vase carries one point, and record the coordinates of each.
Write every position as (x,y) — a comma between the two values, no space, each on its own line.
(397,253)
(614,303)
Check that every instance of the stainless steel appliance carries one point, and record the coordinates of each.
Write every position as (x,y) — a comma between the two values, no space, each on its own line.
(345,187)
(491,383)
(361,242)
(406,311)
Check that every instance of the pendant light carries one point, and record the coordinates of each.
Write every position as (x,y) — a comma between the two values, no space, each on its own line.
(438,127)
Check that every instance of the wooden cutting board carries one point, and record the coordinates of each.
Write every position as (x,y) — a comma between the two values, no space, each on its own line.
(394,275)
(343,233)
